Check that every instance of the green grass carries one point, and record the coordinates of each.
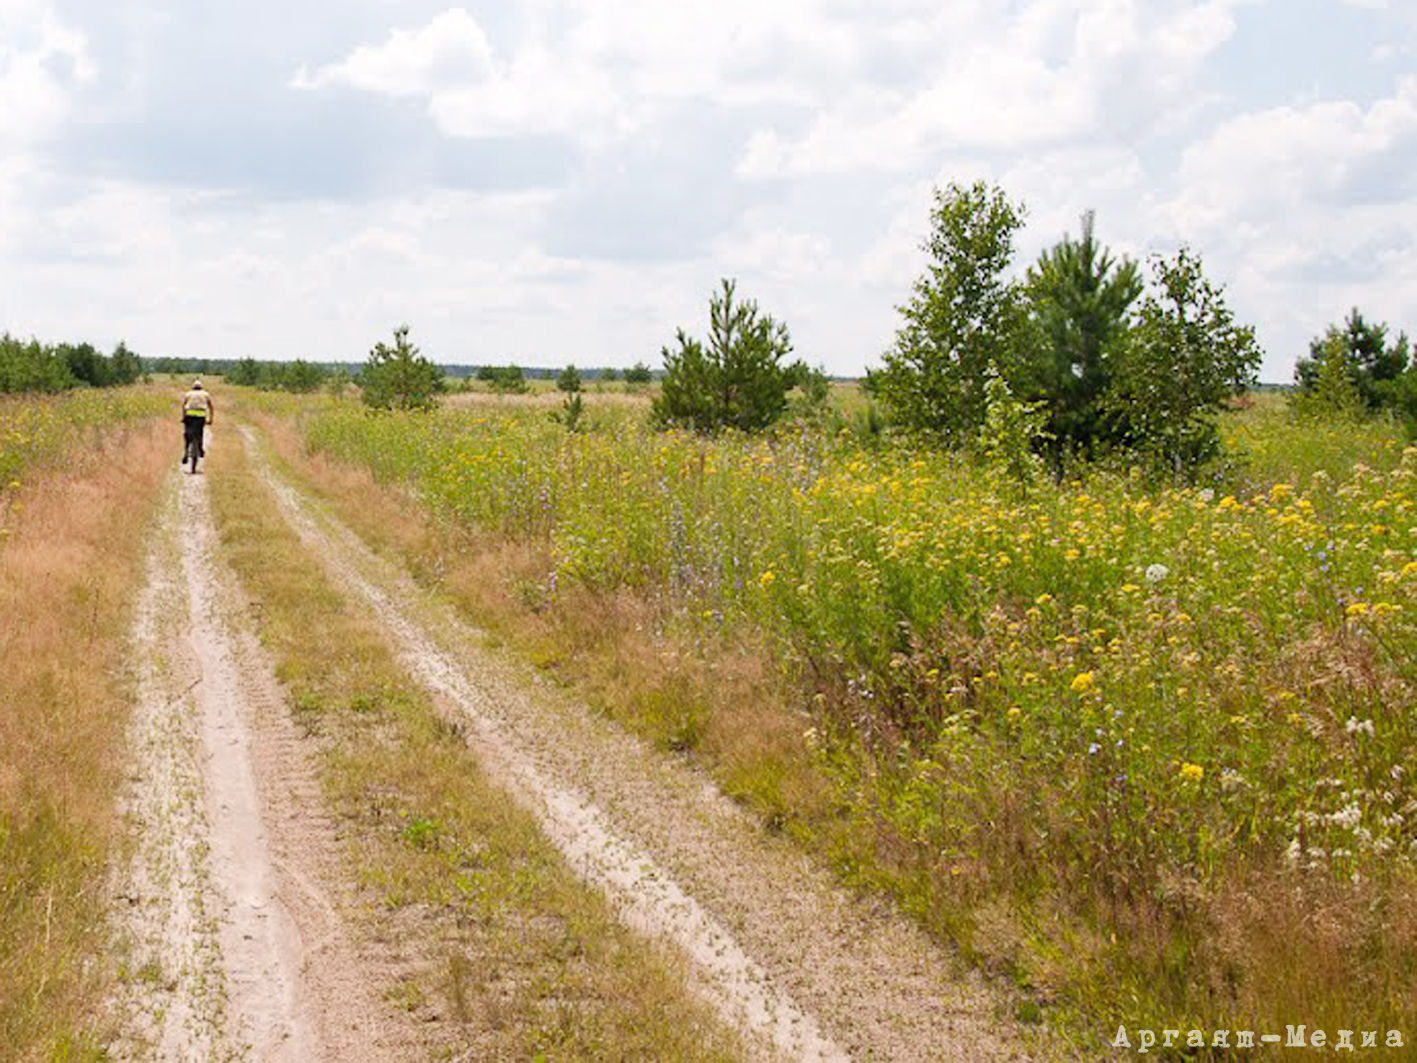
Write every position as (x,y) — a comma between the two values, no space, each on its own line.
(1140,747)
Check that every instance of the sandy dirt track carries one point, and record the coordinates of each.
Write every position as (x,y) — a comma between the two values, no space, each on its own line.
(773,942)
(234,948)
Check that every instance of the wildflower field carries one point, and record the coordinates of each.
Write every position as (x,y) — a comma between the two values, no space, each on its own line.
(1147,749)
(39,429)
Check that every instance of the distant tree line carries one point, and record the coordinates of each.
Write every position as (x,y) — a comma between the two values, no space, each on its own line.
(28,365)
(298,376)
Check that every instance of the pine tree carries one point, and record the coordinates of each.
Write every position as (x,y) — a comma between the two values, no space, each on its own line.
(737,380)
(399,378)
(1079,301)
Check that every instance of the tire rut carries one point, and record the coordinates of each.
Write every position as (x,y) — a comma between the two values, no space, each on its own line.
(778,946)
(236,948)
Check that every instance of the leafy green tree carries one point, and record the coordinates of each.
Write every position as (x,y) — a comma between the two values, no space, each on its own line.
(964,317)
(85,364)
(28,365)
(124,367)
(1079,300)
(572,413)
(510,380)
(1404,402)
(1333,394)
(399,378)
(1184,358)
(569,379)
(609,376)
(736,380)
(639,373)
(299,376)
(246,372)
(1374,362)
(1011,431)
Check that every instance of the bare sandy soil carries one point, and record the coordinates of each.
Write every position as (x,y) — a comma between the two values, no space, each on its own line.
(781,950)
(234,948)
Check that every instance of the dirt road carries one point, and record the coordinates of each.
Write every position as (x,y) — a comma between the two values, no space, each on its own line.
(234,949)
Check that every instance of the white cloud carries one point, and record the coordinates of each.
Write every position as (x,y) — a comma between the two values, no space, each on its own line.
(469,90)
(41,62)
(1292,154)
(758,247)
(1310,208)
(600,71)
(447,53)
(1052,72)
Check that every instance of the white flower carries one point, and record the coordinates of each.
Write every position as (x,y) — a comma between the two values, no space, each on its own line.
(1230,779)
(1156,573)
(1355,726)
(1348,817)
(1207,494)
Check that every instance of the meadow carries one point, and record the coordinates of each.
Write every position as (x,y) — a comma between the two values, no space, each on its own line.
(1146,750)
(79,474)
(39,430)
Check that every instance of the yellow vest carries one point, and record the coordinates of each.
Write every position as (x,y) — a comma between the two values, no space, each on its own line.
(194,404)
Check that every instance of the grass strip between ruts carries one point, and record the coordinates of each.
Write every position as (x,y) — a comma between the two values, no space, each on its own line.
(514,956)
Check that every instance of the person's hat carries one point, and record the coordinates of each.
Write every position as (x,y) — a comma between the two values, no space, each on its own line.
(196,384)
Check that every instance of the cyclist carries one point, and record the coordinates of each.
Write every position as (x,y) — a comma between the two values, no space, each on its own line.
(198,411)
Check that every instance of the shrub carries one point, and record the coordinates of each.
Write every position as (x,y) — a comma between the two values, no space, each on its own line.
(737,380)
(399,378)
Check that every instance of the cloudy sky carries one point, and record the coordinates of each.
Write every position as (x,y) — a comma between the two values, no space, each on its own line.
(546,181)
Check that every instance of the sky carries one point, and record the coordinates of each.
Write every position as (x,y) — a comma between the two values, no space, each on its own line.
(565,181)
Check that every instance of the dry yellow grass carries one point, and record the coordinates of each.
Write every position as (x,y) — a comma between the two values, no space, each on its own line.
(68,570)
(547,398)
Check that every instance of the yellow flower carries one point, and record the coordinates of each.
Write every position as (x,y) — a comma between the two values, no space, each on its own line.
(1192,772)
(1083,682)
(767,577)
(1357,608)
